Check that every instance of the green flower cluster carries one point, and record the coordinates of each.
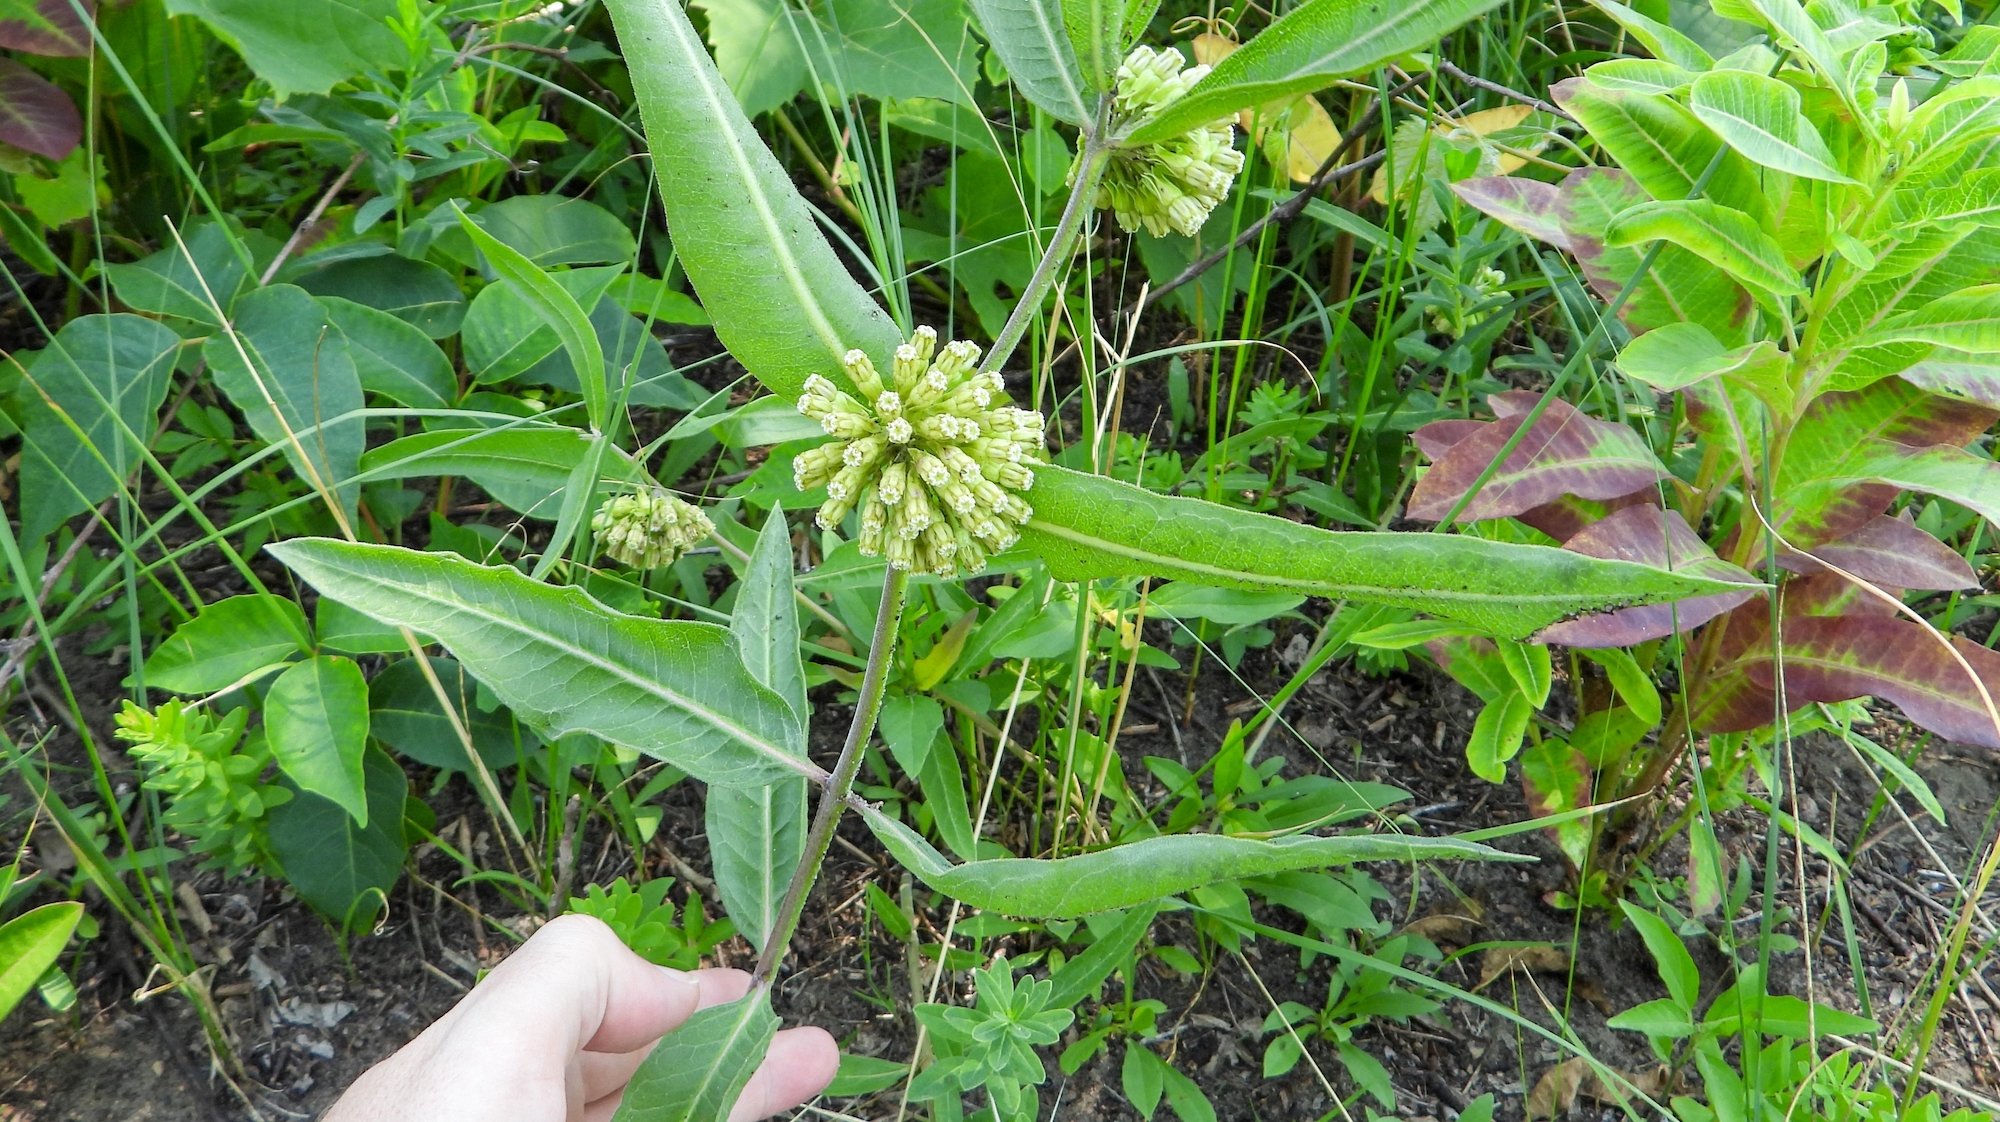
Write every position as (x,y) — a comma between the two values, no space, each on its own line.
(215,794)
(1169,185)
(650,529)
(933,459)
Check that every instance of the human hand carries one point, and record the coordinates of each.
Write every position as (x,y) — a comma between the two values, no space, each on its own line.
(556,1031)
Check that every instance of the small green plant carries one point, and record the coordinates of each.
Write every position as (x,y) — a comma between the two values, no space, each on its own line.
(1354,997)
(992,1045)
(645,919)
(212,778)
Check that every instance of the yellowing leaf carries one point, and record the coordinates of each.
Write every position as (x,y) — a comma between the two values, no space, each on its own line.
(1310,134)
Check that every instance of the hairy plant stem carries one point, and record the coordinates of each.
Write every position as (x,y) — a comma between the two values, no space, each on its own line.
(1095,157)
(835,788)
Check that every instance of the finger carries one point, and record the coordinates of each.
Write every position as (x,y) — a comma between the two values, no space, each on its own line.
(604,1072)
(799,1065)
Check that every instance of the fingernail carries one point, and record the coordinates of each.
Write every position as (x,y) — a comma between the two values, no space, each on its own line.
(681,976)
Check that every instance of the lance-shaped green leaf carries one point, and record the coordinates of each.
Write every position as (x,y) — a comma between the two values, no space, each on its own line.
(1146,870)
(392,357)
(29,945)
(558,309)
(1842,657)
(1967,320)
(1678,355)
(673,689)
(1565,453)
(1030,38)
(780,300)
(1760,118)
(526,467)
(1087,526)
(182,282)
(316,717)
(86,408)
(1726,238)
(1641,75)
(756,834)
(1308,48)
(697,1071)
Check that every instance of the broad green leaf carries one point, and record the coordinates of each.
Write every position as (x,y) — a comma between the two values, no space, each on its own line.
(87,407)
(697,1071)
(1794,27)
(910,725)
(759,49)
(341,628)
(1308,48)
(865,1075)
(557,308)
(781,301)
(1496,736)
(187,285)
(1728,239)
(1030,39)
(316,718)
(526,468)
(1760,118)
(892,48)
(29,944)
(297,383)
(1641,75)
(392,357)
(503,336)
(403,713)
(1087,526)
(1679,288)
(1970,480)
(1530,668)
(302,46)
(1677,355)
(1670,955)
(1662,145)
(416,292)
(1664,1018)
(1664,42)
(557,230)
(675,690)
(1096,31)
(340,867)
(1967,320)
(756,834)
(1142,871)
(230,641)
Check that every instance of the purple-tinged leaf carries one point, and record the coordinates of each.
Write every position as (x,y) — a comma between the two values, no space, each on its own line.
(1824,489)
(1845,657)
(1647,535)
(35,116)
(1526,205)
(1511,403)
(1730,700)
(1439,437)
(1565,453)
(50,28)
(1889,552)
(1974,381)
(1566,516)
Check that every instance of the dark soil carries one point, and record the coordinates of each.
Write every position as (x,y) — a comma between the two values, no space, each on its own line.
(279,973)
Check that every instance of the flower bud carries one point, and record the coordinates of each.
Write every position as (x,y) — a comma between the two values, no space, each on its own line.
(861,369)
(649,529)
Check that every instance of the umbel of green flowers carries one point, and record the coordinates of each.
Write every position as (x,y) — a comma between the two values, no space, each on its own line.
(933,457)
(650,529)
(1169,185)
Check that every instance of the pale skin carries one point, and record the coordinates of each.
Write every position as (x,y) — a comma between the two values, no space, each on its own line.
(555,1032)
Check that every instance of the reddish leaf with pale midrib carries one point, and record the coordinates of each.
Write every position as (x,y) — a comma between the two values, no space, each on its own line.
(1565,453)
(1527,205)
(1845,657)
(57,33)
(1649,536)
(1569,515)
(1817,500)
(1892,552)
(35,116)
(1730,700)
